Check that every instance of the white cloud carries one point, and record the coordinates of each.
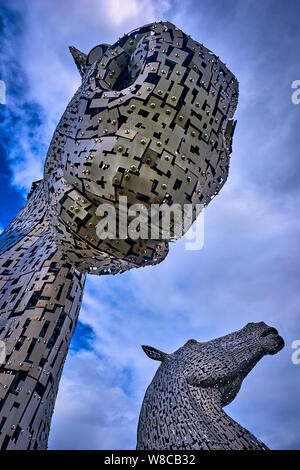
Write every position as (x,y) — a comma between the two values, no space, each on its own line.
(102,415)
(119,12)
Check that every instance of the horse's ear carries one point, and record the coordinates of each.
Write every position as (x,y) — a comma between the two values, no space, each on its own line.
(191,341)
(154,353)
(79,59)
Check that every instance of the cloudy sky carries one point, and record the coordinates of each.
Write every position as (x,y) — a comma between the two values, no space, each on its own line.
(248,269)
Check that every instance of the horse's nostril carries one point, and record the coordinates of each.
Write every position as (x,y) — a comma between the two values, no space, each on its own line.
(269,331)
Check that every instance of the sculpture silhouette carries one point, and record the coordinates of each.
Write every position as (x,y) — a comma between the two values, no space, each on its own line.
(183,405)
(150,121)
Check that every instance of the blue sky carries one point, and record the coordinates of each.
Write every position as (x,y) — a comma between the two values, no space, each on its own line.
(248,269)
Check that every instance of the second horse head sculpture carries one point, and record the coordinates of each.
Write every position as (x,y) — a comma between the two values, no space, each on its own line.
(183,405)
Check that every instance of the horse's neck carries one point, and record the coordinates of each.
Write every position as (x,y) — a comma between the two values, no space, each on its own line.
(40,298)
(228,432)
(175,415)
(170,418)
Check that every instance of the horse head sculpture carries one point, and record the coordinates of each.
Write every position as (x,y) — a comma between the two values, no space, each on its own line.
(151,122)
(182,408)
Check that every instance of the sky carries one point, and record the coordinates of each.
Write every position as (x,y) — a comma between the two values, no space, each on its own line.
(248,268)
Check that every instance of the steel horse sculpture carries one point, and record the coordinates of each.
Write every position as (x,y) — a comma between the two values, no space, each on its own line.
(183,405)
(152,121)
